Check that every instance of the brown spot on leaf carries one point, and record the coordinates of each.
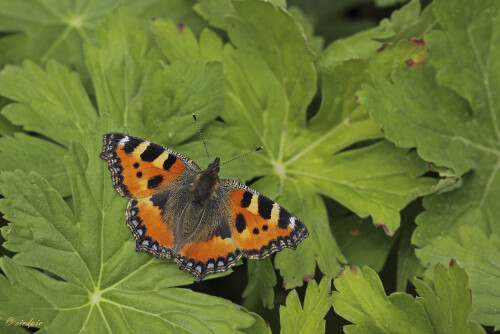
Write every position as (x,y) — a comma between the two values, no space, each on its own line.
(180,27)
(383,131)
(153,19)
(308,278)
(417,42)
(380,49)
(428,164)
(409,62)
(452,262)
(354,269)
(354,231)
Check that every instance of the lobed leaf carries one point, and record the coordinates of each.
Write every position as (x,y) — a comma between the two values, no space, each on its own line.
(361,300)
(261,281)
(479,253)
(29,153)
(361,242)
(57,30)
(452,117)
(307,319)
(52,102)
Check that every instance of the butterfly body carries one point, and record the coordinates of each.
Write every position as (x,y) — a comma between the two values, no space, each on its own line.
(178,210)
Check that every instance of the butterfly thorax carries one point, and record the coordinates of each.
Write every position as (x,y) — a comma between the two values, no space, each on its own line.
(203,190)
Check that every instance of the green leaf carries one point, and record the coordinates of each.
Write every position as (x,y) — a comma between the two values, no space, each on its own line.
(259,326)
(378,180)
(307,319)
(177,92)
(361,242)
(316,42)
(29,153)
(215,12)
(178,43)
(479,254)
(460,121)
(450,302)
(154,101)
(58,29)
(361,45)
(405,23)
(321,248)
(361,300)
(261,280)
(394,106)
(6,127)
(52,102)
(409,22)
(121,68)
(470,55)
(382,3)
(92,273)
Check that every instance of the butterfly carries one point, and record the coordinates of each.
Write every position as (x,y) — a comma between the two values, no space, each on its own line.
(177,210)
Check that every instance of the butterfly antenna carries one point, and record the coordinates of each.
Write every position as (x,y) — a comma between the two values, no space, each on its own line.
(203,140)
(241,156)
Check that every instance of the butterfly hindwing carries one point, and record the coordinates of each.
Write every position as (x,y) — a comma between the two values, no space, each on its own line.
(153,233)
(203,257)
(261,226)
(138,167)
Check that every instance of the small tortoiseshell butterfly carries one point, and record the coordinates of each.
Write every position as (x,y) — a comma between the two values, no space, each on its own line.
(178,210)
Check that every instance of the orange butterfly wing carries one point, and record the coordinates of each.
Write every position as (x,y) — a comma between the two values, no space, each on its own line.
(142,171)
(260,225)
(250,225)
(138,167)
(152,233)
(203,257)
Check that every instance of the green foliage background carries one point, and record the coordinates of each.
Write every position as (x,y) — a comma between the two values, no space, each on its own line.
(384,139)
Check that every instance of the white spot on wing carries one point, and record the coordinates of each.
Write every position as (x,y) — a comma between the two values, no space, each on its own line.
(292,222)
(124,141)
(210,265)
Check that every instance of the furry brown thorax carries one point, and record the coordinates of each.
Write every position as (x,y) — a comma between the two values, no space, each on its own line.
(203,190)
